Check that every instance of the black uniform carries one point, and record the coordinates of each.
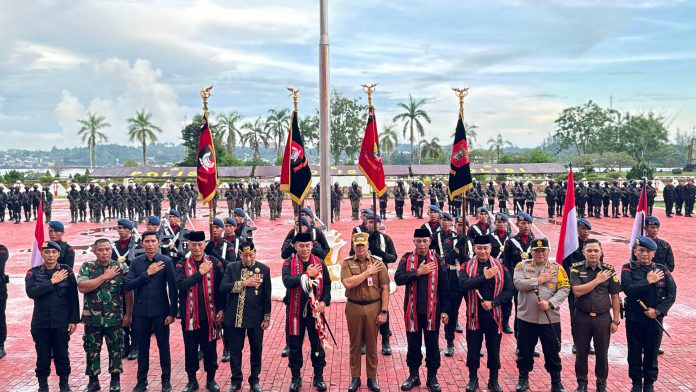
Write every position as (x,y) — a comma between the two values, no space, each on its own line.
(481,322)
(55,306)
(67,254)
(668,194)
(247,308)
(222,250)
(318,249)
(678,198)
(643,334)
(592,319)
(204,333)
(514,249)
(155,298)
(421,330)
(4,280)
(305,321)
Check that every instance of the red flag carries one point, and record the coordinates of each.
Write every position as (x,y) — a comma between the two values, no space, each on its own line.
(641,213)
(370,160)
(206,176)
(568,241)
(36,258)
(295,174)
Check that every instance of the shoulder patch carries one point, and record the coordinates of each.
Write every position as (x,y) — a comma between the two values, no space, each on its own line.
(376,257)
(608,267)
(578,264)
(518,265)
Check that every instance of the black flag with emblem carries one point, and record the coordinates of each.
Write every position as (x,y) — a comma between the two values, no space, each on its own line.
(460,171)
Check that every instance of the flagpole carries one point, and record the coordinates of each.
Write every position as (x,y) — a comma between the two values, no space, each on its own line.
(462,93)
(324,116)
(369,89)
(205,94)
(295,97)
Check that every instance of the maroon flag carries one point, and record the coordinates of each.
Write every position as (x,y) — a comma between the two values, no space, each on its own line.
(206,172)
(295,174)
(370,160)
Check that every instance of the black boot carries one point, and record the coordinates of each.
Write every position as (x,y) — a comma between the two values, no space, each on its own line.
(363,349)
(432,383)
(493,384)
(43,384)
(93,384)
(2,351)
(507,329)
(295,384)
(63,384)
(522,383)
(386,348)
(354,385)
(449,350)
(601,385)
(226,356)
(210,383)
(286,351)
(637,385)
(115,384)
(373,385)
(556,384)
(582,386)
(473,385)
(318,382)
(412,381)
(648,386)
(192,384)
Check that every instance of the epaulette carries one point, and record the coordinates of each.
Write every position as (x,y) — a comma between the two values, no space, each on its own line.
(577,264)
(608,267)
(348,258)
(518,265)
(376,257)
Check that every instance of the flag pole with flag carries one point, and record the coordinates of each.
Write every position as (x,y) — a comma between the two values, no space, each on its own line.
(641,213)
(295,174)
(460,170)
(568,241)
(206,165)
(36,258)
(370,160)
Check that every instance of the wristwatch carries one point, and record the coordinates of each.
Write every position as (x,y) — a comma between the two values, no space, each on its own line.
(617,322)
(384,311)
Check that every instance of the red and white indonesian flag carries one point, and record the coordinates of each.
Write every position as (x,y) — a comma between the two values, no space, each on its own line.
(36,259)
(568,242)
(641,213)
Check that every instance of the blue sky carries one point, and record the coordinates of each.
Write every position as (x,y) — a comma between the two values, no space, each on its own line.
(524,61)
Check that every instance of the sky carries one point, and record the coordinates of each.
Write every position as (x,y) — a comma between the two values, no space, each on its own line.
(524,61)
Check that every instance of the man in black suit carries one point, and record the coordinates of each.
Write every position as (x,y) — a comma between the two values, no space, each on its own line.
(153,279)
(248,313)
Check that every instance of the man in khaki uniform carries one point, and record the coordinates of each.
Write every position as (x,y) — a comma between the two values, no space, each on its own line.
(367,289)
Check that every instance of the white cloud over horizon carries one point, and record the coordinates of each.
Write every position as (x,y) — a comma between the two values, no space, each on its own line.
(523,60)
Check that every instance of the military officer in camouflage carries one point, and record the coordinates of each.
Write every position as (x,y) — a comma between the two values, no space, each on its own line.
(101,282)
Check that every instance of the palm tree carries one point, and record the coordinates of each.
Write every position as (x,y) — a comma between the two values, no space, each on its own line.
(141,129)
(277,124)
(91,135)
(431,149)
(389,140)
(255,136)
(228,123)
(411,117)
(498,144)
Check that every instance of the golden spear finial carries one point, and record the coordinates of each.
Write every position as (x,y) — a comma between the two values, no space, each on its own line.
(461,93)
(205,94)
(369,89)
(295,95)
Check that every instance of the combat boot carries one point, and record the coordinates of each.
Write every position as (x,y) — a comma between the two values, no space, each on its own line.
(115,385)
(93,385)
(63,384)
(449,350)
(493,384)
(43,384)
(386,348)
(556,384)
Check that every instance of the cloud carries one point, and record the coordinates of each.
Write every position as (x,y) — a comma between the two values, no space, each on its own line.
(37,57)
(132,88)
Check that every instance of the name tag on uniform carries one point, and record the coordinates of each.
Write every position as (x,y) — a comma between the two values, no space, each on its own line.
(369,281)
(355,267)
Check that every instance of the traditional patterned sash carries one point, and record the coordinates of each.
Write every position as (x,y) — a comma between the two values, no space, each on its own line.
(472,309)
(294,311)
(191,320)
(411,317)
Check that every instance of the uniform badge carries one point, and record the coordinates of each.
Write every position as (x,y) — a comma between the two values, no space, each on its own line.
(121,259)
(369,281)
(550,285)
(525,255)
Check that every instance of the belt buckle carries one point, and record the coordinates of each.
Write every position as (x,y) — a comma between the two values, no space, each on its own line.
(593,314)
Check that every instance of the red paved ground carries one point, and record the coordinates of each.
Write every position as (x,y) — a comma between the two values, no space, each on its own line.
(677,366)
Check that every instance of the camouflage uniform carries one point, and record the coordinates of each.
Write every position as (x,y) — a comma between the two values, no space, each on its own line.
(354,195)
(102,315)
(47,203)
